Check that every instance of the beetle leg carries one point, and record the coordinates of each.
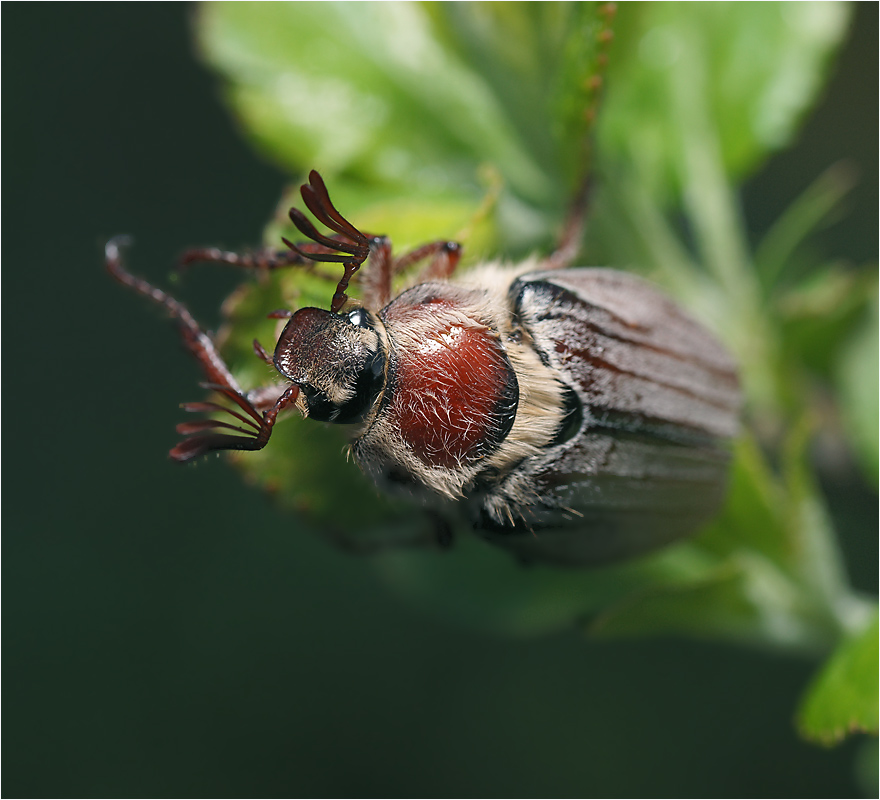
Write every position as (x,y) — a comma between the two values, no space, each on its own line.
(572,231)
(377,279)
(444,257)
(442,530)
(194,338)
(201,443)
(264,397)
(265,259)
(258,427)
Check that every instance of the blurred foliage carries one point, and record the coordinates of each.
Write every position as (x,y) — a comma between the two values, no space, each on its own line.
(465,121)
(836,704)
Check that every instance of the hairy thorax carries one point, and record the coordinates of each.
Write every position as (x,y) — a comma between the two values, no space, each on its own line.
(465,396)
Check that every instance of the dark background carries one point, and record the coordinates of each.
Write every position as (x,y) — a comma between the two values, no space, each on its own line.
(166,630)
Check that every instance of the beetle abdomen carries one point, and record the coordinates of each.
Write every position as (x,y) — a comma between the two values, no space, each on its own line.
(658,399)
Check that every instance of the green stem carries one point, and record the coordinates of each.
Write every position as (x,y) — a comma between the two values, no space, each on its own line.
(719,231)
(817,203)
(718,225)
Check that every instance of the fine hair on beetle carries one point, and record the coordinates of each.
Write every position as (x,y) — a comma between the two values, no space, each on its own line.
(572,415)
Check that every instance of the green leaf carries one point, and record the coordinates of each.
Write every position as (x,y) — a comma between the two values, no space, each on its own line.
(757,515)
(778,577)
(843,698)
(766,572)
(857,374)
(406,108)
(414,97)
(397,92)
(538,59)
(753,69)
(363,89)
(774,573)
(476,588)
(418,96)
(410,222)
(825,316)
(747,599)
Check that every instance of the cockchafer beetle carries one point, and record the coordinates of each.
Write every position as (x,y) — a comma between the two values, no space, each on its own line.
(575,415)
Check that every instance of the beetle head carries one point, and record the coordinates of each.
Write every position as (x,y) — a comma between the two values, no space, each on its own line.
(336,359)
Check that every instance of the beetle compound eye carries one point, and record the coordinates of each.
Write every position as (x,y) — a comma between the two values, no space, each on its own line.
(359,317)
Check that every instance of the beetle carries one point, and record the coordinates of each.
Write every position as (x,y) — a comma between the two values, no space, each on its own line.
(571,415)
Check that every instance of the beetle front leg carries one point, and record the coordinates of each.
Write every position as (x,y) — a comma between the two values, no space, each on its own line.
(258,426)
(265,259)
(264,397)
(256,439)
